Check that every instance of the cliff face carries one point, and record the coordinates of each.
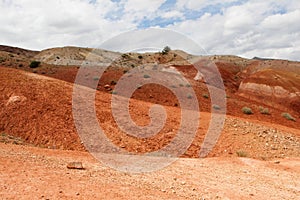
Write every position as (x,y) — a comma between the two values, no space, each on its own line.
(273,86)
(267,90)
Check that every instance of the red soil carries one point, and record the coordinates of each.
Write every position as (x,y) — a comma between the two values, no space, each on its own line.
(39,110)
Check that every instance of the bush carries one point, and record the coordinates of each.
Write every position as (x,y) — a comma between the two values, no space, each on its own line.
(216,107)
(247,111)
(241,153)
(206,96)
(34,64)
(146,76)
(288,116)
(166,50)
(140,57)
(264,111)
(189,96)
(113,82)
(96,78)
(114,92)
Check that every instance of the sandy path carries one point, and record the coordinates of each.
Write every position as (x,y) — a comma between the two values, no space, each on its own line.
(34,173)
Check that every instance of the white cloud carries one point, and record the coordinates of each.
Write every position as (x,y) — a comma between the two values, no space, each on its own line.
(36,24)
(136,10)
(255,28)
(199,4)
(251,28)
(172,14)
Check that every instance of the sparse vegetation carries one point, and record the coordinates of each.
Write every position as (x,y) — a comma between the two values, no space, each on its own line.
(188,85)
(288,116)
(96,78)
(113,82)
(2,59)
(241,153)
(140,57)
(216,107)
(147,76)
(114,92)
(206,96)
(34,64)
(189,96)
(264,111)
(247,110)
(166,50)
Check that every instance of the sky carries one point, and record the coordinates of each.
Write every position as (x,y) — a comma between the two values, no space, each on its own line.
(246,28)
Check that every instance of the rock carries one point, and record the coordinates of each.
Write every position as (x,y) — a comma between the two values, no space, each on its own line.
(16,99)
(107,87)
(75,165)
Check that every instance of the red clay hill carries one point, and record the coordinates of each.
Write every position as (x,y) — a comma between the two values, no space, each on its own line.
(36,103)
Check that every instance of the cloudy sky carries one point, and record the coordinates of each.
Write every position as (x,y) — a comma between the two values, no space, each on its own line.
(246,28)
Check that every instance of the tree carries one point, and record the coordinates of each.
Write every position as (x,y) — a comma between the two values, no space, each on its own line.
(34,64)
(166,50)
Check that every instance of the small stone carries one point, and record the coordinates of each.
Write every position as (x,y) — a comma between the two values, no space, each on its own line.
(183,183)
(75,165)
(277,162)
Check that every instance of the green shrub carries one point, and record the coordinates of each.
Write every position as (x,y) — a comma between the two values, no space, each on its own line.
(96,78)
(206,96)
(147,76)
(216,107)
(34,64)
(166,50)
(2,59)
(247,111)
(113,82)
(114,92)
(264,111)
(288,116)
(241,153)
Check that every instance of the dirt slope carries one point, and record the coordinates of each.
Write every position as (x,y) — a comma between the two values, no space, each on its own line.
(239,74)
(39,110)
(18,51)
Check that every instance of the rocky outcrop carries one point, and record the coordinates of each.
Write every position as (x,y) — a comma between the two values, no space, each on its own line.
(267,90)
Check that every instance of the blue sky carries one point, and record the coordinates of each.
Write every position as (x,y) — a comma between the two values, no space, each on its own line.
(241,27)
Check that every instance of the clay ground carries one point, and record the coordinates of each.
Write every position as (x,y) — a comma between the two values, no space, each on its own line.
(35,173)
